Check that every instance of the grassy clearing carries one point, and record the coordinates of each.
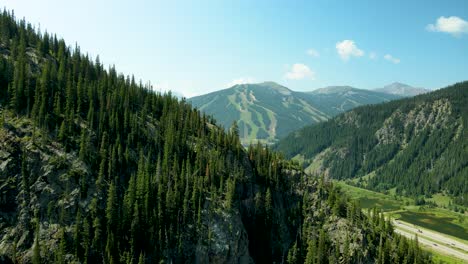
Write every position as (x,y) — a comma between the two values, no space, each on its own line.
(384,205)
(299,158)
(364,179)
(440,200)
(440,258)
(433,220)
(314,166)
(317,162)
(370,199)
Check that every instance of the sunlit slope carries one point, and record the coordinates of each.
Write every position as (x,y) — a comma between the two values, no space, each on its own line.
(268,111)
(417,145)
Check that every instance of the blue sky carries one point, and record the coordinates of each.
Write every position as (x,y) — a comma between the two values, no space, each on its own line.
(195,47)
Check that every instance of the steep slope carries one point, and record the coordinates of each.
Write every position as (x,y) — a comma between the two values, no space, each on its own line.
(264,111)
(338,99)
(402,90)
(268,111)
(418,145)
(95,168)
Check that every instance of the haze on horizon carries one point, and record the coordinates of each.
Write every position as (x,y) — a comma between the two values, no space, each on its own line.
(196,48)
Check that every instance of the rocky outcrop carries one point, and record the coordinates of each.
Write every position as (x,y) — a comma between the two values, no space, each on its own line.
(35,175)
(41,185)
(227,239)
(400,127)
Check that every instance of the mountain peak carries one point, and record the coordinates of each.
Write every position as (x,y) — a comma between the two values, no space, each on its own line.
(397,84)
(270,83)
(334,89)
(267,85)
(401,89)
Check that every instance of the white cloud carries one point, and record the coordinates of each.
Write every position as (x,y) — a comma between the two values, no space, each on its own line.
(451,25)
(313,53)
(347,49)
(242,80)
(373,55)
(299,71)
(391,58)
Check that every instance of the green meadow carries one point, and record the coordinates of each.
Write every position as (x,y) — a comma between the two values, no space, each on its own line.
(430,220)
(430,217)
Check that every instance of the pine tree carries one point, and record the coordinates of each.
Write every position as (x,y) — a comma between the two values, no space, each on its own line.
(321,251)
(111,208)
(231,193)
(268,205)
(44,85)
(86,240)
(77,234)
(141,259)
(311,254)
(36,257)
(62,251)
(293,255)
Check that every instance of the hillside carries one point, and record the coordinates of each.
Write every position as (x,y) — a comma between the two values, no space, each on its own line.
(265,111)
(268,111)
(339,99)
(95,168)
(418,145)
(402,90)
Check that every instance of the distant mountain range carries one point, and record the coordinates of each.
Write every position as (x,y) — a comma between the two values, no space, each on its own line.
(338,99)
(268,111)
(402,89)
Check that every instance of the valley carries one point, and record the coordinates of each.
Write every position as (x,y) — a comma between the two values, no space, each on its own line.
(407,158)
(115,165)
(415,147)
(96,167)
(438,229)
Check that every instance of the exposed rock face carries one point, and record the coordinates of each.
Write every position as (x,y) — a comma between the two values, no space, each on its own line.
(398,127)
(227,240)
(43,169)
(349,118)
(34,176)
(50,175)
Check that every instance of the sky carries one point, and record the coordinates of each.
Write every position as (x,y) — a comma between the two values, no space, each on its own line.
(196,47)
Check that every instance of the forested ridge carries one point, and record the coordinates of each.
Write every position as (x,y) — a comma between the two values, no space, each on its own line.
(98,168)
(418,145)
(267,111)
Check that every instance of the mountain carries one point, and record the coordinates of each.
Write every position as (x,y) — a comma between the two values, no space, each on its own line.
(96,168)
(268,111)
(339,99)
(417,145)
(264,111)
(402,90)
